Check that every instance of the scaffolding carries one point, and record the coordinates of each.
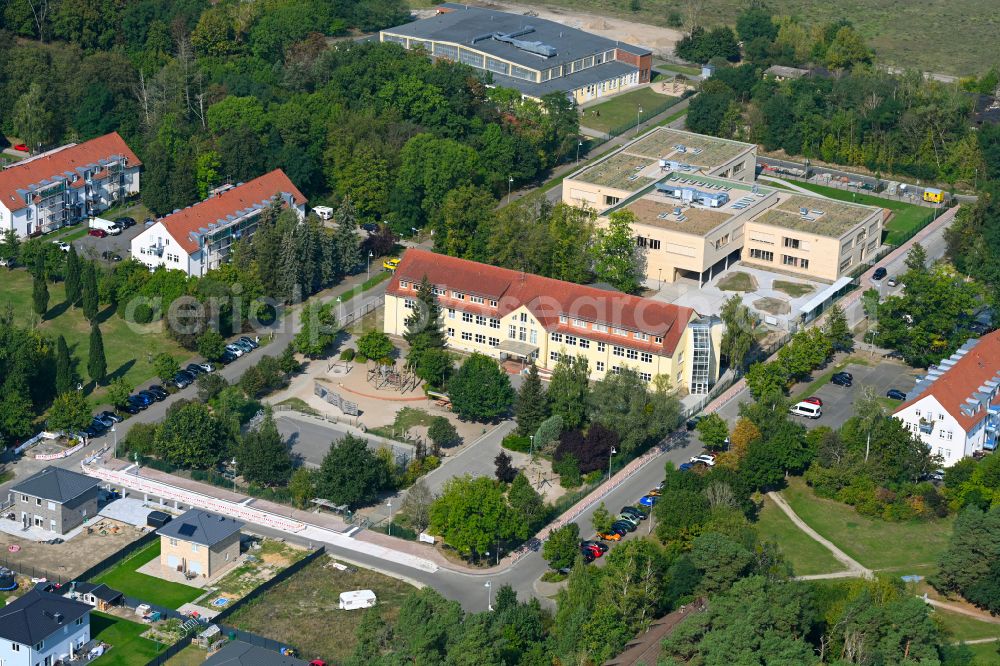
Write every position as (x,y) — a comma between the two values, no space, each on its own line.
(400,378)
(701,358)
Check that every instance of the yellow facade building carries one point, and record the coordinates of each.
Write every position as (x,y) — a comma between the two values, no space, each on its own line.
(199,543)
(508,314)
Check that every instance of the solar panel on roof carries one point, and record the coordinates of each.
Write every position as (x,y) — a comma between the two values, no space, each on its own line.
(187,529)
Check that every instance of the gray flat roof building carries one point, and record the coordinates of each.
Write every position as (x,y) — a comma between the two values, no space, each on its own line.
(530,54)
(201,527)
(56,485)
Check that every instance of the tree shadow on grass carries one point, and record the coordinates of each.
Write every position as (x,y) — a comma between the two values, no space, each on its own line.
(56,311)
(121,371)
(105,314)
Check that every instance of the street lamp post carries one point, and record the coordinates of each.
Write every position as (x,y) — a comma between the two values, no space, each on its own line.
(610,456)
(114,432)
(638,115)
(579,143)
(370,255)
(532,438)
(414,230)
(389,504)
(234,475)
(489,595)
(659,279)
(510,184)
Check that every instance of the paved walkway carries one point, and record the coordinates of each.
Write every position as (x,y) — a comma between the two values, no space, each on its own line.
(962,610)
(854,568)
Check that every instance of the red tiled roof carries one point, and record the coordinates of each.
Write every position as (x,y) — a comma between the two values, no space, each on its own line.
(261,189)
(963,379)
(47,167)
(547,299)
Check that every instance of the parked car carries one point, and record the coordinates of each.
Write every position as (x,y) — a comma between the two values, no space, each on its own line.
(158,392)
(656,492)
(227,356)
(98,426)
(125,222)
(136,403)
(648,500)
(685,467)
(894,355)
(114,418)
(813,400)
(145,400)
(807,409)
(104,421)
(194,369)
(593,550)
(183,379)
(370,227)
(892,282)
(936,475)
(62,245)
(632,511)
(627,524)
(895,394)
(234,350)
(107,255)
(879,274)
(207,367)
(22,147)
(628,517)
(90,432)
(250,341)
(587,555)
(390,264)
(246,347)
(692,422)
(703,459)
(97,233)
(609,536)
(603,547)
(842,379)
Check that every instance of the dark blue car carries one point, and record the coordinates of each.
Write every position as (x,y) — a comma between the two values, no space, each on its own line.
(144,400)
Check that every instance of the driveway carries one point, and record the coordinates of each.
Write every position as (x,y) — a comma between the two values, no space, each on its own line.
(838,401)
(91,247)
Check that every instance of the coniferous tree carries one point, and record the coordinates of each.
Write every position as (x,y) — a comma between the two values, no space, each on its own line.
(73,276)
(97,365)
(40,292)
(64,367)
(88,290)
(346,239)
(531,407)
(288,268)
(425,334)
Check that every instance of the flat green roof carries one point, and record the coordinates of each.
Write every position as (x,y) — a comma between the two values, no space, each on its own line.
(620,171)
(824,217)
(700,150)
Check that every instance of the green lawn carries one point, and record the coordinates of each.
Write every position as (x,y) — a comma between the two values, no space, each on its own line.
(906,217)
(127,647)
(623,109)
(129,348)
(738,281)
(406,418)
(985,654)
(965,628)
(192,655)
(793,289)
(125,578)
(806,556)
(877,544)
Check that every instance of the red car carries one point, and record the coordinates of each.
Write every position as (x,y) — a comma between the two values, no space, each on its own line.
(21,147)
(813,400)
(99,233)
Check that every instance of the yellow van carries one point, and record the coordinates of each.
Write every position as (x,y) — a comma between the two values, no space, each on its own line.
(933,195)
(390,264)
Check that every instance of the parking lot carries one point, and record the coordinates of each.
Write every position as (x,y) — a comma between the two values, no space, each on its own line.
(92,247)
(838,401)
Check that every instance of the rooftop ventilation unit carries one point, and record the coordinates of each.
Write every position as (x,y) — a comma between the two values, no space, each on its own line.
(536,48)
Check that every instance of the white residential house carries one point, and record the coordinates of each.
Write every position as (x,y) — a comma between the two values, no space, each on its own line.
(954,407)
(67,184)
(42,629)
(199,237)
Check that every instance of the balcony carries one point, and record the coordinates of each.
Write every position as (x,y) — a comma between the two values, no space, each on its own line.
(926,427)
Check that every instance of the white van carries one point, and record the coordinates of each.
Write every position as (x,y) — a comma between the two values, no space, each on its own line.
(323,212)
(806,409)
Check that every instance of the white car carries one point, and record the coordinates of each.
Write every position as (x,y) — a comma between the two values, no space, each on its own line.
(207,367)
(236,351)
(61,245)
(704,459)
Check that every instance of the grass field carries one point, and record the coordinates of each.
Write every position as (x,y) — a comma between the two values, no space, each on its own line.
(793,289)
(129,348)
(192,655)
(128,648)
(906,217)
(806,556)
(965,628)
(738,281)
(623,109)
(876,544)
(909,35)
(302,610)
(125,578)
(985,654)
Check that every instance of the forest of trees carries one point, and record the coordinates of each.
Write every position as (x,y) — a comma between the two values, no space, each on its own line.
(858,115)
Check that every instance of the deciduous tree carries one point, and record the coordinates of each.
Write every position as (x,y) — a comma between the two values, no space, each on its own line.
(563,546)
(69,412)
(351,474)
(480,390)
(472,515)
(569,389)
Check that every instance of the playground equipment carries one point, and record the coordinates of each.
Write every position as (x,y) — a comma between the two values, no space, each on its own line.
(393,376)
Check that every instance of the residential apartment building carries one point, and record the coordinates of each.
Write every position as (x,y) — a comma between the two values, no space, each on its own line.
(954,407)
(508,314)
(67,184)
(55,499)
(697,226)
(41,628)
(200,237)
(200,543)
(529,54)
(650,158)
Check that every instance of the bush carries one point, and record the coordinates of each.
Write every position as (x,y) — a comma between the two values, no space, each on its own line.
(443,433)
(568,470)
(347,355)
(360,358)
(417,468)
(143,314)
(548,432)
(516,442)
